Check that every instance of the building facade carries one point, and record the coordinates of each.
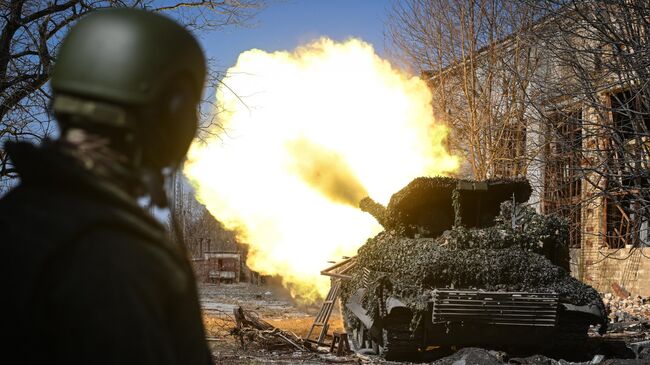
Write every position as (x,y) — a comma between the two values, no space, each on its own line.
(576,124)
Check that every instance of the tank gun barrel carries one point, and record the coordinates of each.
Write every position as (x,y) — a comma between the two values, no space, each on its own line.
(378,211)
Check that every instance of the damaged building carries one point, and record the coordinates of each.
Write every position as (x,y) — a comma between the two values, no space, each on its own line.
(570,111)
(215,252)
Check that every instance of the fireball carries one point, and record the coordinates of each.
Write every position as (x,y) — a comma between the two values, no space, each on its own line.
(302,137)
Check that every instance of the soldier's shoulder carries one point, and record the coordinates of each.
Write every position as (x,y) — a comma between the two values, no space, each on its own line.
(49,219)
(133,257)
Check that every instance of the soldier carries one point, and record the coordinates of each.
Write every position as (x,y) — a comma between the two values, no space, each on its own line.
(88,277)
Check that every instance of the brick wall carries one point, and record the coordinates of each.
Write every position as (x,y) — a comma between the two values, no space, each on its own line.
(594,263)
(626,267)
(601,267)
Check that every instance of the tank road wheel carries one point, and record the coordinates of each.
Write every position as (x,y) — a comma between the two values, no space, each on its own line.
(358,334)
(359,338)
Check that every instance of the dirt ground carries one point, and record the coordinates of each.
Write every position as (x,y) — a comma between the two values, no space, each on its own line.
(274,305)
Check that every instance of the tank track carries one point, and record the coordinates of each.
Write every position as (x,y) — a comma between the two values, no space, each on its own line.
(400,343)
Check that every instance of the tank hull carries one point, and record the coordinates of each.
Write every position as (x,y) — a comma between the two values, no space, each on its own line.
(515,322)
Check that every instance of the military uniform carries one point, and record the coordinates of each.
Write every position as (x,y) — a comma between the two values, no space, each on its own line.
(92,278)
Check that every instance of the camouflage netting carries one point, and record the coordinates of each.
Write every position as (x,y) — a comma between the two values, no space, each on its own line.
(512,254)
(426,205)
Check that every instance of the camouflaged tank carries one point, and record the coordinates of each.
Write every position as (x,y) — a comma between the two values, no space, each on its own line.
(464,263)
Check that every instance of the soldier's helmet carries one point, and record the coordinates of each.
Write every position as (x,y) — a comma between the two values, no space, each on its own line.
(127,69)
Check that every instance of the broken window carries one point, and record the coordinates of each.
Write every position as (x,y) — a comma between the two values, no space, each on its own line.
(630,114)
(627,175)
(629,146)
(627,222)
(562,178)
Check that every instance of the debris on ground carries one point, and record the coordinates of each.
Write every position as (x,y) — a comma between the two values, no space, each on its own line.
(629,318)
(627,308)
(251,329)
(470,355)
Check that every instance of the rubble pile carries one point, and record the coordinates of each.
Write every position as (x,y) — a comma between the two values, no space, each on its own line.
(627,309)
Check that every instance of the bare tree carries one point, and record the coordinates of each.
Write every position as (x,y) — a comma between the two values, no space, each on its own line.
(574,72)
(31,30)
(599,102)
(201,232)
(479,59)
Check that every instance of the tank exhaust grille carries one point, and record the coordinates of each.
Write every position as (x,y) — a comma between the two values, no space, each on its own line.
(495,308)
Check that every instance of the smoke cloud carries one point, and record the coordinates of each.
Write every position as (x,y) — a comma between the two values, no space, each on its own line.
(326,171)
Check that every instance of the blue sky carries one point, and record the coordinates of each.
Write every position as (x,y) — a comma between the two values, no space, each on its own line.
(287,24)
